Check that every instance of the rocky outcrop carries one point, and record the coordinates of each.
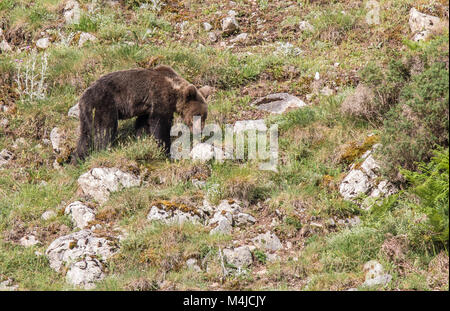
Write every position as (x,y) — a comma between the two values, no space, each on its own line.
(85,273)
(82,253)
(171,213)
(363,179)
(278,103)
(221,218)
(99,183)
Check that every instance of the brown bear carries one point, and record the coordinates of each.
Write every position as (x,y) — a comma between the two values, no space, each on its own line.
(151,95)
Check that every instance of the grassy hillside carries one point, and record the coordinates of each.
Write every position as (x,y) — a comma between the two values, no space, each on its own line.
(300,202)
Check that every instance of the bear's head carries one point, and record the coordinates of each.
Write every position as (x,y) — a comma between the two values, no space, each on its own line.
(194,104)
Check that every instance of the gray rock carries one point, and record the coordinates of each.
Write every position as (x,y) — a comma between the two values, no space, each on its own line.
(241,38)
(229,25)
(207,26)
(419,21)
(278,103)
(43,43)
(212,37)
(268,241)
(80,213)
(4,123)
(70,248)
(48,215)
(100,182)
(85,273)
(243,219)
(364,180)
(240,257)
(222,222)
(286,48)
(354,184)
(74,112)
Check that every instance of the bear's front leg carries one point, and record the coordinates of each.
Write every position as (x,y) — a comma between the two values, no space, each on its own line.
(158,127)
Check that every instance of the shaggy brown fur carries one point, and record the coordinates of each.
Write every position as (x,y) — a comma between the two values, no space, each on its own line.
(151,95)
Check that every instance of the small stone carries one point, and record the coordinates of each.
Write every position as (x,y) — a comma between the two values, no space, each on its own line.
(212,37)
(241,38)
(207,26)
(29,240)
(229,25)
(43,43)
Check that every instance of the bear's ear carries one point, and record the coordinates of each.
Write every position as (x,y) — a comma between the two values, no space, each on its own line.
(190,92)
(205,91)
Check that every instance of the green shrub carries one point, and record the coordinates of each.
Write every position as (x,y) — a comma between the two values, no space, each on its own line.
(431,185)
(419,121)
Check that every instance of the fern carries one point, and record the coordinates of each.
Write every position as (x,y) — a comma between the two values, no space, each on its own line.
(431,185)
